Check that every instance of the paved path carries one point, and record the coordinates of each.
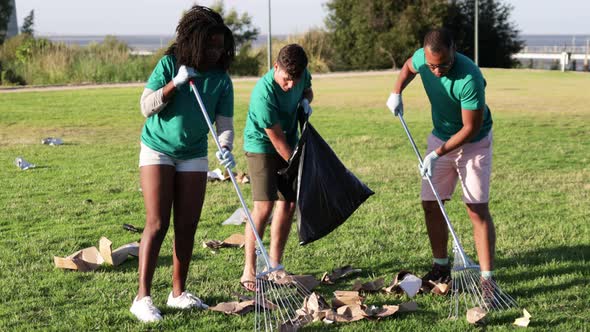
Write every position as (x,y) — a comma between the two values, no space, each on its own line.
(15,89)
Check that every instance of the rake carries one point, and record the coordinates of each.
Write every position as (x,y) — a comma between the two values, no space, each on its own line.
(467,285)
(278,298)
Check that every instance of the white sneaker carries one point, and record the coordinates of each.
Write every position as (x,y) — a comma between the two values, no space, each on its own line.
(186,300)
(145,310)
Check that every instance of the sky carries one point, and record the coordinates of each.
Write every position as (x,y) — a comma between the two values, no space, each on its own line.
(159,17)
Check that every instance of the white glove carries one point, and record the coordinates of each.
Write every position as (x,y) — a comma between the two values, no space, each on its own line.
(184,74)
(306,108)
(394,102)
(226,159)
(428,164)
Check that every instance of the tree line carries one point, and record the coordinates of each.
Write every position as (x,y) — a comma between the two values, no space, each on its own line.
(359,35)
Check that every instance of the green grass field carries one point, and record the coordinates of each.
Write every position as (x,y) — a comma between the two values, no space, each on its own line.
(540,202)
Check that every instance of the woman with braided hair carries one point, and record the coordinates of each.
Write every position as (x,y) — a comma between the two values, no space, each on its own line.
(173,157)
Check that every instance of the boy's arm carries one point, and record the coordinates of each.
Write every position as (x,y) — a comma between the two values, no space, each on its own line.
(279,141)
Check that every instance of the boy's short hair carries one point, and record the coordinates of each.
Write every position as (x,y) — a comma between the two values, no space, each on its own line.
(439,39)
(293,60)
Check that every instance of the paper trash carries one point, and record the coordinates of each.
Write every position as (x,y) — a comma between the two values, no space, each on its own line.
(89,259)
(410,284)
(24,165)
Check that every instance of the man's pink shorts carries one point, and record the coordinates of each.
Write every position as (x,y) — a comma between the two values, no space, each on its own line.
(471,164)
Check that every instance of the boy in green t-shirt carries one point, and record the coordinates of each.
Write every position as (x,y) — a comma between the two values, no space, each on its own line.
(460,145)
(270,137)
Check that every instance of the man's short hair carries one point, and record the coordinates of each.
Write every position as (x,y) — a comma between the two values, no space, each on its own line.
(293,60)
(439,40)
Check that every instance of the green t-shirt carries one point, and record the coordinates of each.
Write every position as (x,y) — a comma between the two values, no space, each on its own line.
(270,105)
(179,130)
(463,87)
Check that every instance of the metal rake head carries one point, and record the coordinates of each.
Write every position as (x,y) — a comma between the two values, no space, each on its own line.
(278,302)
(471,290)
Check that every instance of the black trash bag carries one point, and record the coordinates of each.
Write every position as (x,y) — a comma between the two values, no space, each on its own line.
(327,192)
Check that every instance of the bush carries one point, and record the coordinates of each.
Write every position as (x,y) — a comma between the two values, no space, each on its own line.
(38,61)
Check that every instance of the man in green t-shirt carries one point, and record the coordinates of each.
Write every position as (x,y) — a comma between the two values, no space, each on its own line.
(459,147)
(270,137)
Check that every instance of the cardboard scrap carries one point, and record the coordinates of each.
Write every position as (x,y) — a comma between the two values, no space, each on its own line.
(243,178)
(342,298)
(120,254)
(308,282)
(476,315)
(89,259)
(380,312)
(524,320)
(338,273)
(394,286)
(349,313)
(233,241)
(371,286)
(439,288)
(234,308)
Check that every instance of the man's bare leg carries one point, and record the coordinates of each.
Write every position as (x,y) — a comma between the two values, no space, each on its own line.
(279,230)
(484,234)
(260,215)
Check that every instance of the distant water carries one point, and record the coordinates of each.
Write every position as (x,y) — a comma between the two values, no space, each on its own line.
(155,42)
(138,43)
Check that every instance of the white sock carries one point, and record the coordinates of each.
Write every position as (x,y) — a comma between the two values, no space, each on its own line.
(441,261)
(487,275)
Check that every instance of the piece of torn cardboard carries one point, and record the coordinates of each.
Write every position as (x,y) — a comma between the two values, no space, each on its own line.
(234,307)
(524,320)
(338,273)
(89,259)
(237,240)
(371,286)
(476,315)
(342,298)
(384,311)
(308,282)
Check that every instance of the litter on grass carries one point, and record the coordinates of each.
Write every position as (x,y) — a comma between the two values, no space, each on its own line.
(53,141)
(338,273)
(239,217)
(371,286)
(219,175)
(476,315)
(524,320)
(233,241)
(410,284)
(89,259)
(24,165)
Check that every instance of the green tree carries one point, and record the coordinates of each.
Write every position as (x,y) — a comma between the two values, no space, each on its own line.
(29,23)
(498,36)
(5,11)
(369,34)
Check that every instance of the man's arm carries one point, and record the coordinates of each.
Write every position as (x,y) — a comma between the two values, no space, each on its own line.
(279,141)
(472,122)
(406,75)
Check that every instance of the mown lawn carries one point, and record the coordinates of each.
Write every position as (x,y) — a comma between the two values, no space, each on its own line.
(540,202)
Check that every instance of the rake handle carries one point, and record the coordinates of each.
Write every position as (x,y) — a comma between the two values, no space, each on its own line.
(440,204)
(231,175)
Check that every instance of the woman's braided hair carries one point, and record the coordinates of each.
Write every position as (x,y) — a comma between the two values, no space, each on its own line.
(195,28)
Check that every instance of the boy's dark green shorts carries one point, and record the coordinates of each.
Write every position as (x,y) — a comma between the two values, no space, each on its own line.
(266,184)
